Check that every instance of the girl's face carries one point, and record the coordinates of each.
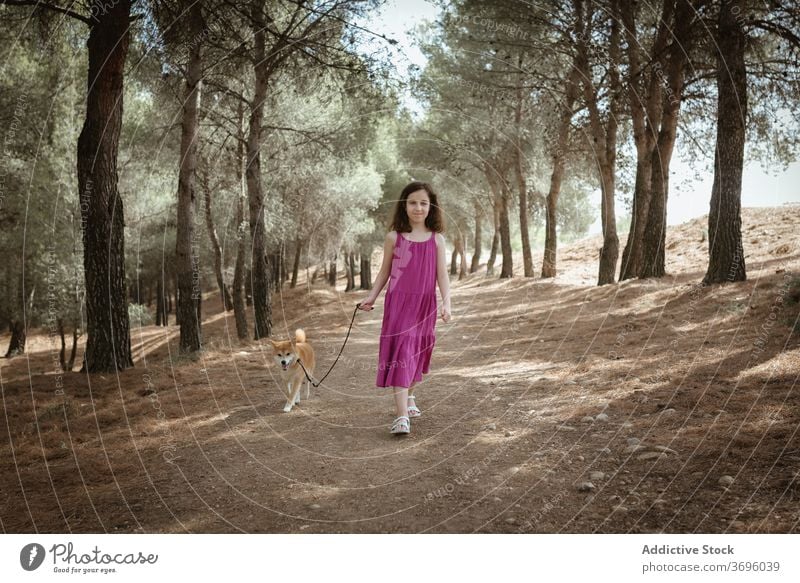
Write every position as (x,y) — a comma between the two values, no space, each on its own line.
(418,205)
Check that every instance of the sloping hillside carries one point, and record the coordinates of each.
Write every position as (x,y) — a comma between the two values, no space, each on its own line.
(552,406)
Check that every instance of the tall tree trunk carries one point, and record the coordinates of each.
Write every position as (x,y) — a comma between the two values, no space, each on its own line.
(186,259)
(248,286)
(476,256)
(654,242)
(332,272)
(454,258)
(501,194)
(275,260)
(353,270)
(610,250)
(108,344)
(634,246)
(507,269)
(725,250)
(298,249)
(496,234)
(284,270)
(161,303)
(522,183)
(609,255)
(549,262)
(225,294)
(62,354)
(366,267)
(462,249)
(19,337)
(604,136)
(645,104)
(653,259)
(168,296)
(239,310)
(74,350)
(349,272)
(260,273)
(173,302)
(17,326)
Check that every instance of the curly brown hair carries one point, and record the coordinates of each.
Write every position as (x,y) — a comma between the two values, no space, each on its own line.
(434,221)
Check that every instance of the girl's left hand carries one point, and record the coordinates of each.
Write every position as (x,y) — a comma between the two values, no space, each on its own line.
(445,315)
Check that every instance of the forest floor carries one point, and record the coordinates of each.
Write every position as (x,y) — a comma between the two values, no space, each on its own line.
(552,406)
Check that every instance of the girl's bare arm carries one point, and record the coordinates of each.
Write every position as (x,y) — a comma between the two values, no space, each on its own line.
(442,277)
(384,273)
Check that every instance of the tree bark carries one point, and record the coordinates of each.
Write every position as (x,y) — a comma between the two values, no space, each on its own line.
(725,250)
(161,303)
(610,250)
(66,365)
(284,270)
(187,255)
(507,269)
(495,236)
(522,185)
(108,344)
(366,267)
(332,272)
(462,249)
(275,269)
(167,294)
(260,272)
(74,350)
(225,294)
(476,256)
(19,337)
(17,325)
(298,249)
(239,309)
(350,271)
(645,103)
(549,262)
(173,302)
(248,286)
(654,242)
(62,354)
(501,194)
(604,136)
(459,244)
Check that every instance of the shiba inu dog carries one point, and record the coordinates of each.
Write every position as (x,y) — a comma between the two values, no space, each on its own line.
(292,375)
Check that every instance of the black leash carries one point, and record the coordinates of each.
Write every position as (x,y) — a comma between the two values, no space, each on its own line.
(315,385)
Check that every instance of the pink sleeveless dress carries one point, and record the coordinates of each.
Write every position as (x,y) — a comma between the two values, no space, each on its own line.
(409,314)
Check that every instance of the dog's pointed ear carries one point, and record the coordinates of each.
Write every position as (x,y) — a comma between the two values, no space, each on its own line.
(274,344)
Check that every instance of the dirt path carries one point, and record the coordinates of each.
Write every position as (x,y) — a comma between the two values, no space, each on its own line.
(650,391)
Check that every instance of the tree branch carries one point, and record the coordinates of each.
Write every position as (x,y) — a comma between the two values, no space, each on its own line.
(38,4)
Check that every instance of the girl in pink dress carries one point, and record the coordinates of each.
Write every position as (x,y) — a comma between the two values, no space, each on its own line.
(414,261)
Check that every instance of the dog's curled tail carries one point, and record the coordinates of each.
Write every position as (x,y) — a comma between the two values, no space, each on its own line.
(299,335)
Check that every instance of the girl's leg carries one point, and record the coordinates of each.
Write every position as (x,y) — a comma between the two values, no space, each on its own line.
(411,390)
(401,401)
(413,410)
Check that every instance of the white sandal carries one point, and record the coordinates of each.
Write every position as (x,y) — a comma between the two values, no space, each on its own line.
(401,426)
(413,410)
